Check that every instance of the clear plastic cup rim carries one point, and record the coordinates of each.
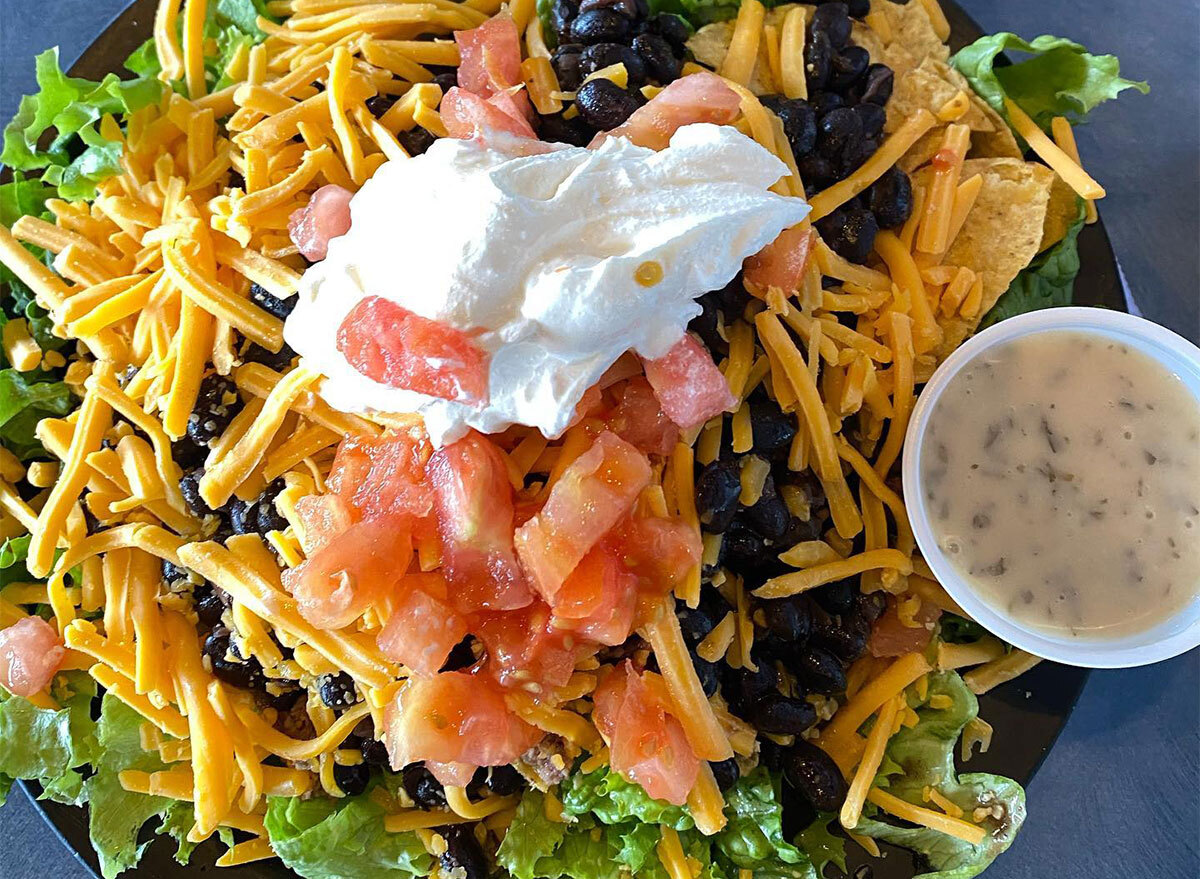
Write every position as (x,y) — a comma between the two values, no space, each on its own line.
(1171,637)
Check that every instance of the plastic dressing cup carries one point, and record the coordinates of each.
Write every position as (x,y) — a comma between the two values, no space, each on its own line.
(1174,635)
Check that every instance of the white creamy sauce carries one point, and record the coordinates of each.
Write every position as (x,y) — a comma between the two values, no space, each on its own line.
(537,257)
(1062,476)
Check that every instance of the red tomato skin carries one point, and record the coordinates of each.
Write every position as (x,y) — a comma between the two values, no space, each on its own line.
(891,637)
(473,500)
(454,718)
(335,585)
(322,518)
(489,56)
(639,419)
(526,646)
(781,263)
(30,655)
(658,552)
(599,599)
(594,493)
(688,384)
(647,745)
(467,115)
(698,97)
(384,475)
(423,627)
(325,217)
(399,348)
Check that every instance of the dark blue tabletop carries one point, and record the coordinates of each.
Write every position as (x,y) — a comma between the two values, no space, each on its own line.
(1119,796)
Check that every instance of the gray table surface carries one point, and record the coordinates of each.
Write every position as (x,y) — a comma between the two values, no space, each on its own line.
(1118,795)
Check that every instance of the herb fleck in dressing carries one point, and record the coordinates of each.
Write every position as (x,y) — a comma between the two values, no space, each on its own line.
(1062,474)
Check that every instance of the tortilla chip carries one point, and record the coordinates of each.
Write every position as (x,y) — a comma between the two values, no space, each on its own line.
(1001,235)
(929,87)
(1000,142)
(862,35)
(710,45)
(913,36)
(1061,211)
(923,150)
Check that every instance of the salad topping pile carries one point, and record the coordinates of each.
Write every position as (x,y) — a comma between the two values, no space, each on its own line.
(448,439)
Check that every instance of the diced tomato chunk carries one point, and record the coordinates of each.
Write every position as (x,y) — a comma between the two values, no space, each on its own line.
(489,56)
(423,627)
(30,655)
(467,115)
(384,475)
(474,503)
(647,745)
(526,646)
(599,600)
(334,586)
(782,262)
(688,384)
(454,718)
(594,493)
(639,419)
(658,552)
(325,217)
(322,518)
(399,348)
(698,97)
(891,636)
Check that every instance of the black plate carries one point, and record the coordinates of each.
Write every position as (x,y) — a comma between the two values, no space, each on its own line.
(1028,714)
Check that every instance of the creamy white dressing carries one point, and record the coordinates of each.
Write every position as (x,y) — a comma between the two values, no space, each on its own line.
(538,258)
(1061,473)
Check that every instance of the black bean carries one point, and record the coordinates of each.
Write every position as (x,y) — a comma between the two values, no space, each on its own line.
(851,233)
(825,102)
(270,303)
(743,687)
(873,118)
(836,597)
(599,26)
(445,81)
(818,671)
(854,155)
(773,429)
(717,492)
(847,66)
(269,518)
(174,576)
(280,361)
(603,55)
(816,171)
(709,674)
(243,516)
(337,690)
(565,61)
(818,58)
(574,131)
(189,487)
(870,606)
(209,604)
(858,8)
(790,619)
(670,27)
(836,129)
(222,656)
(504,781)
(877,84)
(814,774)
(891,199)
(631,9)
(352,780)
(374,752)
(416,140)
(236,181)
(424,790)
(562,13)
(782,715)
(462,655)
(706,322)
(771,754)
(604,105)
(187,454)
(799,122)
(726,772)
(833,20)
(659,56)
(464,855)
(846,640)
(694,623)
(380,104)
(733,298)
(769,515)
(746,551)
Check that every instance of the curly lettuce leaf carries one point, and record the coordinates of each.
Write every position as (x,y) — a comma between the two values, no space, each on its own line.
(926,754)
(1047,282)
(1061,78)
(612,800)
(324,838)
(753,834)
(822,845)
(25,399)
(47,745)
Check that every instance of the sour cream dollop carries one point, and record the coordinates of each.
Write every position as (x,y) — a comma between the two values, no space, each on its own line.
(544,259)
